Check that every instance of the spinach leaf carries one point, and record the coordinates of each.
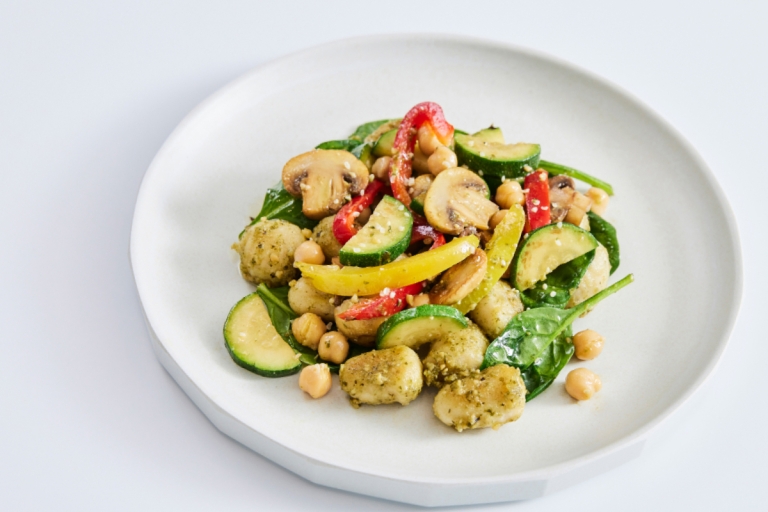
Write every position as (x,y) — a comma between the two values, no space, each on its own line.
(364,130)
(360,150)
(548,365)
(279,204)
(281,314)
(344,144)
(529,333)
(555,290)
(606,235)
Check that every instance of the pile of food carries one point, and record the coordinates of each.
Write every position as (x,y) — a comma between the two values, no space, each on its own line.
(413,254)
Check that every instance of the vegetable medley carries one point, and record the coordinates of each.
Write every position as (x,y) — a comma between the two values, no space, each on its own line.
(413,254)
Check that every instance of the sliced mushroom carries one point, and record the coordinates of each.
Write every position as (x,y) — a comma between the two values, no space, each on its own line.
(561,193)
(460,279)
(567,204)
(324,178)
(458,198)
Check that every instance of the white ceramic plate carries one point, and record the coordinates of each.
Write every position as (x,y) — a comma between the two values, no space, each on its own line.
(665,333)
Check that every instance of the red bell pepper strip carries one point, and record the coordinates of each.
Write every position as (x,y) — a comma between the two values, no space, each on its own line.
(386,304)
(344,222)
(422,230)
(536,200)
(405,141)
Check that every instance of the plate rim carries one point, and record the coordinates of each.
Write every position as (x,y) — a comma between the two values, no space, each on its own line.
(640,434)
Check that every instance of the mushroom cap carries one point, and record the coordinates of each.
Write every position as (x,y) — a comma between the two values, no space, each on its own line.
(460,279)
(324,178)
(457,199)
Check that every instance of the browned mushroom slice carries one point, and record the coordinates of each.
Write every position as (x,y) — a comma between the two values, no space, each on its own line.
(458,198)
(459,280)
(324,178)
(561,193)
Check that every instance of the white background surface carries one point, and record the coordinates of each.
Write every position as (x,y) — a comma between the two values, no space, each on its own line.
(89,420)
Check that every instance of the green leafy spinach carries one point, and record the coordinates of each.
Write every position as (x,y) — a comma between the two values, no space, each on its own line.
(555,290)
(531,332)
(360,150)
(279,204)
(548,364)
(365,129)
(606,235)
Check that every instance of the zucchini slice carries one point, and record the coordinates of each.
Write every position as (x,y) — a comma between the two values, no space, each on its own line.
(490,134)
(547,248)
(384,237)
(417,203)
(486,152)
(383,146)
(416,326)
(254,343)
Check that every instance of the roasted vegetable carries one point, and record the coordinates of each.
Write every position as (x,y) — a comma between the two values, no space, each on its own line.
(324,179)
(348,281)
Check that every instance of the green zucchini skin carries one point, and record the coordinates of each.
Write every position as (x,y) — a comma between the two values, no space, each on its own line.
(490,134)
(289,364)
(371,248)
(505,160)
(416,326)
(383,146)
(540,253)
(417,204)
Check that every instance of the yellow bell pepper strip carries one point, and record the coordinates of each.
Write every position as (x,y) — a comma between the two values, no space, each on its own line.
(500,251)
(348,281)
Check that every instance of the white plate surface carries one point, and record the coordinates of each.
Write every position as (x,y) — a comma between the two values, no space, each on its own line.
(665,333)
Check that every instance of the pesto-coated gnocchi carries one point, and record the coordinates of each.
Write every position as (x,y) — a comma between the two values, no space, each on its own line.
(266,252)
(388,376)
(489,398)
(305,298)
(494,312)
(454,356)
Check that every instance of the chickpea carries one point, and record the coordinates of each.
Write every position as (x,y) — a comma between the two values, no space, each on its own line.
(308,329)
(420,300)
(421,184)
(497,218)
(309,252)
(588,344)
(380,168)
(581,384)
(441,160)
(509,193)
(428,140)
(333,347)
(575,215)
(315,380)
(599,199)
(365,214)
(419,162)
